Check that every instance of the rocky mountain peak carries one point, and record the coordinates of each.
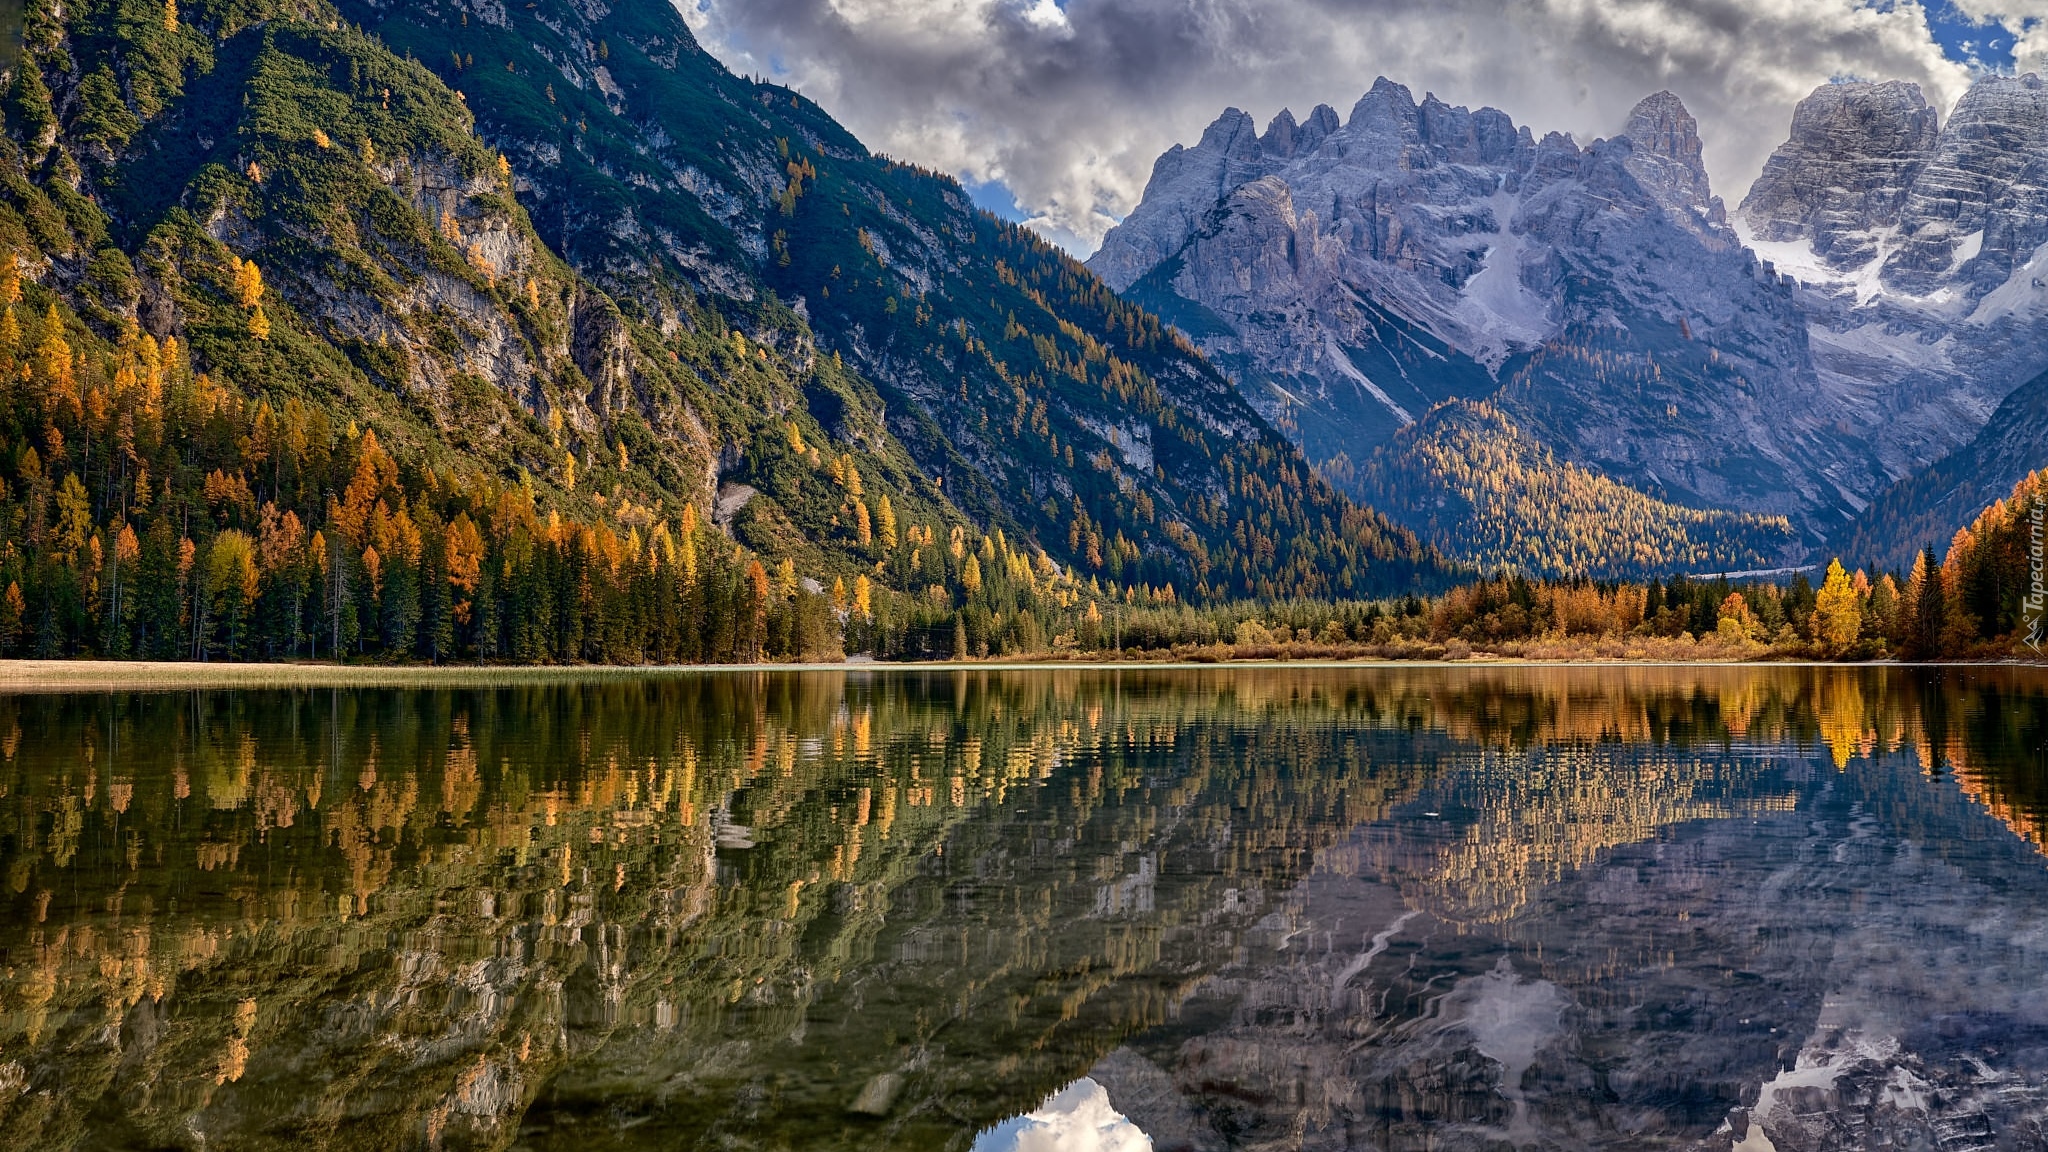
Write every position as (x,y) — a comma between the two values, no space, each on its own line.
(1383,100)
(1978,208)
(1954,212)
(1233,131)
(1666,158)
(1845,170)
(1384,122)
(1661,126)
(1280,134)
(1287,139)
(1187,182)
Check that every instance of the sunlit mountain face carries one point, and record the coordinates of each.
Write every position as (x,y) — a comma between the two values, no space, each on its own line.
(1368,908)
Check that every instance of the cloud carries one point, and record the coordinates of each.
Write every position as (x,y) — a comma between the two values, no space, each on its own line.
(1068,104)
(2026,21)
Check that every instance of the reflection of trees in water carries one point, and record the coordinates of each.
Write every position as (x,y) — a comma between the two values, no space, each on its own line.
(728,902)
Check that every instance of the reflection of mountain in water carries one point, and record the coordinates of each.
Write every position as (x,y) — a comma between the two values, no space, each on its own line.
(1887,984)
(1269,908)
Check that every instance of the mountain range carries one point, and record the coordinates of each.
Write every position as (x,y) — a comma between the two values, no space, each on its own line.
(1415,287)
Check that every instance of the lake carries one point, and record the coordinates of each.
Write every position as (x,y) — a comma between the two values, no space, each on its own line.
(1730,908)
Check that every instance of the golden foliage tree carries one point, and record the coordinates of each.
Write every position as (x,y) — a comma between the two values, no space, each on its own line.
(1838,611)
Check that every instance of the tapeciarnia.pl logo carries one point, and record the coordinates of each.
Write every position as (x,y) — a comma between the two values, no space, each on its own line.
(2036,603)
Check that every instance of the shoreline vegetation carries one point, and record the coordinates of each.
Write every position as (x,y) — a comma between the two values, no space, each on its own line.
(149,513)
(163,675)
(553,594)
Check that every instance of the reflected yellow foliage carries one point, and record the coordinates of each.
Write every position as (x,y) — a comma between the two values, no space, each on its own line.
(444,898)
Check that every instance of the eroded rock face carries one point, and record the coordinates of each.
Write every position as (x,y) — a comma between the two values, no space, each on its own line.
(1921,251)
(1868,174)
(1979,207)
(1190,181)
(1877,295)
(1352,277)
(1667,160)
(1848,166)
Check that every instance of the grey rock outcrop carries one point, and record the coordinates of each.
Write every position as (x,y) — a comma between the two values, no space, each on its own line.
(1848,167)
(1352,277)
(1979,207)
(1867,173)
(1667,160)
(1876,296)
(1921,252)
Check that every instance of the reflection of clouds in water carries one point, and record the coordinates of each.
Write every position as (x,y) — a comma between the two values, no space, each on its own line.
(1077,1118)
(1510,1020)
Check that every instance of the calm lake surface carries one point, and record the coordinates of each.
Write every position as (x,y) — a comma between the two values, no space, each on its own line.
(1273,908)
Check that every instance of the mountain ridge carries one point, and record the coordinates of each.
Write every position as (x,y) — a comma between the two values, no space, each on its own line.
(1607,298)
(288,343)
(1048,350)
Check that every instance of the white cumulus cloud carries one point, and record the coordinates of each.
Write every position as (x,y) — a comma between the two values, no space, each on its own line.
(1067,104)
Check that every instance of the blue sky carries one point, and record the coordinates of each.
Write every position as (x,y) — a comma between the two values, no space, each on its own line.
(995,196)
(1987,45)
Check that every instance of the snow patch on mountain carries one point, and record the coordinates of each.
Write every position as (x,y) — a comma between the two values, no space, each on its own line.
(1496,302)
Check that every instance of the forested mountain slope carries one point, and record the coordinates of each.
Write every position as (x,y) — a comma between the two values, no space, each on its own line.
(1925,509)
(1036,399)
(1469,477)
(289,366)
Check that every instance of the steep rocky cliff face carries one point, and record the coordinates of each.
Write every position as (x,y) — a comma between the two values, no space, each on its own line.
(1873,300)
(1351,276)
(1848,167)
(1919,251)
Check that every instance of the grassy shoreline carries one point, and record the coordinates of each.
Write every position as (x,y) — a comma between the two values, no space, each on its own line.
(96,675)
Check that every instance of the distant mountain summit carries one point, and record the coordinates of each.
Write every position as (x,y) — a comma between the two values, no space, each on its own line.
(1871,184)
(1858,318)
(1353,276)
(1921,251)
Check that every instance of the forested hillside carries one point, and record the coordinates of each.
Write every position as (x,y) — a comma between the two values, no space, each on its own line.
(1924,509)
(290,367)
(288,370)
(1469,478)
(1039,401)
